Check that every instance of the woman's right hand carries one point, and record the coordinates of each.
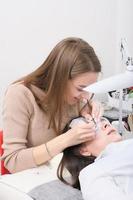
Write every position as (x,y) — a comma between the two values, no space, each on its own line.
(80,133)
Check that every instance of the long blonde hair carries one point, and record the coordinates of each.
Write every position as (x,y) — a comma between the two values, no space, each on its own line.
(69,58)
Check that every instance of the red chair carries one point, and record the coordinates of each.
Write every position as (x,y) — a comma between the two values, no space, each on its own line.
(3,170)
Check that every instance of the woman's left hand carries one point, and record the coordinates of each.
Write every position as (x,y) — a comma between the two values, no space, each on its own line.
(95,110)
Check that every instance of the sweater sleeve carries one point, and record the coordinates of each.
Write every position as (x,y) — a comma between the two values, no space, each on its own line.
(17,110)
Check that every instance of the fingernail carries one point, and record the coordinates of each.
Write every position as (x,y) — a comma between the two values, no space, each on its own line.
(98,120)
(93,116)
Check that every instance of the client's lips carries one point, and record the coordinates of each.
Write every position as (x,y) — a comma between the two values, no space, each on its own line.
(111,130)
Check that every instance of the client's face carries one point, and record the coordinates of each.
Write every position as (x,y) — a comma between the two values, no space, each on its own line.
(106,134)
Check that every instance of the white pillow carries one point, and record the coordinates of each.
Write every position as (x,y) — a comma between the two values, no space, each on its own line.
(28,179)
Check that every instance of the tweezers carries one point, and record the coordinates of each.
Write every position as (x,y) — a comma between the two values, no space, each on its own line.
(90,108)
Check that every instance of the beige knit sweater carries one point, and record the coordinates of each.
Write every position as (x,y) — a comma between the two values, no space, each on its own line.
(25,126)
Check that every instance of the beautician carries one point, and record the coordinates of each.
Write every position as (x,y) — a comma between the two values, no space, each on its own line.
(38,106)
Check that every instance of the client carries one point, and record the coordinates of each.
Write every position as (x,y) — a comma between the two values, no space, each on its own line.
(101,168)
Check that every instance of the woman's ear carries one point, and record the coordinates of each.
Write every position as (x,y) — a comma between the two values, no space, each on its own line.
(84,151)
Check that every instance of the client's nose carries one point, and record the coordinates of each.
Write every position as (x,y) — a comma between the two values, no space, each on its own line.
(105,125)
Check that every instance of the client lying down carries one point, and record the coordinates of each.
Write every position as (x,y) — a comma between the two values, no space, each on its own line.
(103,167)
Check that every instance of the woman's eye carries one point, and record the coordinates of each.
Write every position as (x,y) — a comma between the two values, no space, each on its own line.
(80,90)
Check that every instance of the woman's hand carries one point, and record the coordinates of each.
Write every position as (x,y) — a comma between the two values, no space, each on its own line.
(93,110)
(80,133)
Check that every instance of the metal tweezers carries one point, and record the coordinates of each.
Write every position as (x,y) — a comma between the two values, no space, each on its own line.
(90,107)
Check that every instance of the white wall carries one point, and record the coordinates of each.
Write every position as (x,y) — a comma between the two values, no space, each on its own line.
(124,29)
(29,29)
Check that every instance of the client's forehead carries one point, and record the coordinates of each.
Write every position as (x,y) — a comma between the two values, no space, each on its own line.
(79,120)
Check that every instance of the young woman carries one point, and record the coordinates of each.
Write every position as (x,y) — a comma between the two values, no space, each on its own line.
(103,166)
(38,106)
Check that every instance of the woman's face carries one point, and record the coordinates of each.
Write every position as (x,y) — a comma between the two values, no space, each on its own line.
(106,134)
(75,87)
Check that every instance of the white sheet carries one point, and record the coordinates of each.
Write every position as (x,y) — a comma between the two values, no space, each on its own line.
(11,193)
(28,179)
(111,176)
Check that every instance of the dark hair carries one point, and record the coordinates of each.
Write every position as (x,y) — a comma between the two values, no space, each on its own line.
(74,162)
(68,59)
